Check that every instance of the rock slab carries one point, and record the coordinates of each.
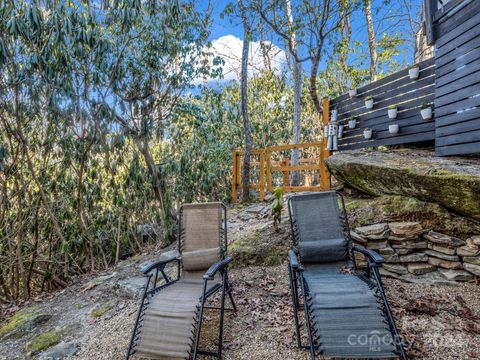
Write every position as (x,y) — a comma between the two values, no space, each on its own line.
(452,183)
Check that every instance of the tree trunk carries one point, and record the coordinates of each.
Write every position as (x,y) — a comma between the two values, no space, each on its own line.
(143,147)
(371,40)
(244,107)
(297,98)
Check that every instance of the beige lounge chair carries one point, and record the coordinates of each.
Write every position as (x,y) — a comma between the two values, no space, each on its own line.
(169,319)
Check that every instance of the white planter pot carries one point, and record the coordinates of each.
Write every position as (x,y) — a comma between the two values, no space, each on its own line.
(413,73)
(334,115)
(352,92)
(369,104)
(340,131)
(367,134)
(426,113)
(393,129)
(392,113)
(352,124)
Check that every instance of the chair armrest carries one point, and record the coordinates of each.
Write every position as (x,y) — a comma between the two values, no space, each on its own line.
(293,259)
(158,265)
(373,258)
(219,265)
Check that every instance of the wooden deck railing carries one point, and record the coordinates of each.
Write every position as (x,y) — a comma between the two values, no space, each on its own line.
(271,161)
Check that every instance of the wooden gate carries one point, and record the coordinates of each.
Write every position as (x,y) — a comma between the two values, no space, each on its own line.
(271,168)
(276,159)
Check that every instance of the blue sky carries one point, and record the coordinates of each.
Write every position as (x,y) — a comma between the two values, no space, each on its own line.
(389,16)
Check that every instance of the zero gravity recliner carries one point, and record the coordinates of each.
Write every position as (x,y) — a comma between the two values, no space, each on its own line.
(347,314)
(169,320)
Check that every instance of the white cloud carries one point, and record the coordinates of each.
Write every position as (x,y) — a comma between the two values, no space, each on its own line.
(229,48)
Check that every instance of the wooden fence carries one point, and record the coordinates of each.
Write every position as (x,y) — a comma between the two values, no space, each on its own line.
(399,90)
(450,80)
(272,164)
(457,83)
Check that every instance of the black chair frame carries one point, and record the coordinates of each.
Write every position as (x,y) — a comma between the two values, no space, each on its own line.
(299,287)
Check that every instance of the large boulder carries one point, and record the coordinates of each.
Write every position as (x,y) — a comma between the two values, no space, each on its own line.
(450,182)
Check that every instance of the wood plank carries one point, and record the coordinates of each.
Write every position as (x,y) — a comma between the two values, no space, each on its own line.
(461,149)
(382,132)
(414,138)
(458,128)
(295,146)
(458,95)
(472,68)
(388,79)
(466,35)
(443,59)
(410,121)
(459,62)
(294,168)
(457,117)
(403,86)
(404,102)
(456,19)
(460,84)
(396,85)
(458,106)
(468,137)
(325,177)
(456,32)
(301,188)
(430,7)
(261,180)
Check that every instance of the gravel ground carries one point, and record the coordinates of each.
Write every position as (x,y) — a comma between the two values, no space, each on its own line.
(440,322)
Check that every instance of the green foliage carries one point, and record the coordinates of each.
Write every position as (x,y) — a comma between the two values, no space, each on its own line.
(277,207)
(43,341)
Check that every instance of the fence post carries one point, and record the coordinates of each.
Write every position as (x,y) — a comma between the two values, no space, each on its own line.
(234,175)
(268,155)
(325,181)
(286,173)
(261,177)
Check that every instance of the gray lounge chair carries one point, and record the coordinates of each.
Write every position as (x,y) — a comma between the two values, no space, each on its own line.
(347,313)
(169,319)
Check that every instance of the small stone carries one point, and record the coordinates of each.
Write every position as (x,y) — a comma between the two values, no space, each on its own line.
(386,251)
(386,273)
(398,269)
(441,255)
(420,268)
(475,260)
(403,251)
(357,238)
(374,232)
(255,209)
(130,287)
(413,258)
(442,249)
(400,239)
(443,239)
(444,263)
(245,216)
(405,229)
(467,251)
(472,242)
(411,245)
(456,275)
(475,240)
(391,258)
(59,351)
(375,245)
(474,269)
